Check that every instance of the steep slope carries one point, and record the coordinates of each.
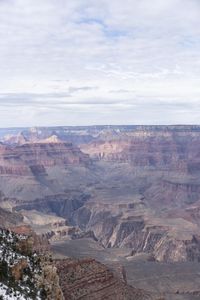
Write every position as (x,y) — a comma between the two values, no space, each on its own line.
(30,171)
(29,158)
(19,268)
(27,271)
(89,280)
(164,149)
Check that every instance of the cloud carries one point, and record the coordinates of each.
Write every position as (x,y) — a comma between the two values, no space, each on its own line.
(80,61)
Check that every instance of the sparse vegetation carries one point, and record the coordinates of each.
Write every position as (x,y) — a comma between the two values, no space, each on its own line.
(18,268)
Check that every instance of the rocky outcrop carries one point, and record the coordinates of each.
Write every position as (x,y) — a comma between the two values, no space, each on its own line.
(39,276)
(50,282)
(177,250)
(33,242)
(162,241)
(18,269)
(90,280)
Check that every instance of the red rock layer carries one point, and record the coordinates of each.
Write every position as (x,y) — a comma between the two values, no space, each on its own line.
(168,150)
(29,159)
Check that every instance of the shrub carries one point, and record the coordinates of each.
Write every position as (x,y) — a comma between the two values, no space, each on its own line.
(3,270)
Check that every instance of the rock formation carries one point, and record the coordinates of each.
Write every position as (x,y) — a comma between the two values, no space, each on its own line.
(127,186)
(89,280)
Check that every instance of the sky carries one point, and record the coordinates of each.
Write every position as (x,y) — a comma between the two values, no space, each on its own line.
(86,62)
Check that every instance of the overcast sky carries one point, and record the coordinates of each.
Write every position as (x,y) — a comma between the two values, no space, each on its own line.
(82,62)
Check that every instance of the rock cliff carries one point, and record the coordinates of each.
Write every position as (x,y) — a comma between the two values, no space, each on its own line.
(32,158)
(128,186)
(89,280)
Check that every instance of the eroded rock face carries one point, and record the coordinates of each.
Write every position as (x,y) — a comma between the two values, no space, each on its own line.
(90,280)
(162,242)
(165,149)
(49,279)
(33,158)
(33,242)
(60,204)
(18,269)
(63,279)
(136,187)
(49,154)
(177,250)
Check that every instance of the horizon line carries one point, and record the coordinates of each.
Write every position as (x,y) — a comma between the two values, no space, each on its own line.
(100,125)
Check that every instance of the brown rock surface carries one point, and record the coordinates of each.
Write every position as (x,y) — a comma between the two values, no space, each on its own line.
(90,280)
(49,280)
(33,242)
(18,269)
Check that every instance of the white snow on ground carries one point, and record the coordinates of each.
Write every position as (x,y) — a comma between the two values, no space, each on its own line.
(12,257)
(4,291)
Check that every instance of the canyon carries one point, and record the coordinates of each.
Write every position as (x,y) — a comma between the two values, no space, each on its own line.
(123,195)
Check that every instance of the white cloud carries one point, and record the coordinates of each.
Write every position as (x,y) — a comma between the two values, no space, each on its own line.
(64,61)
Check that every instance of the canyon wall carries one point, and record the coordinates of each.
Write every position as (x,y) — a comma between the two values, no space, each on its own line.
(129,186)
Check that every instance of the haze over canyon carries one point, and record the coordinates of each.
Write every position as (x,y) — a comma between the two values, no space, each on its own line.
(127,196)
